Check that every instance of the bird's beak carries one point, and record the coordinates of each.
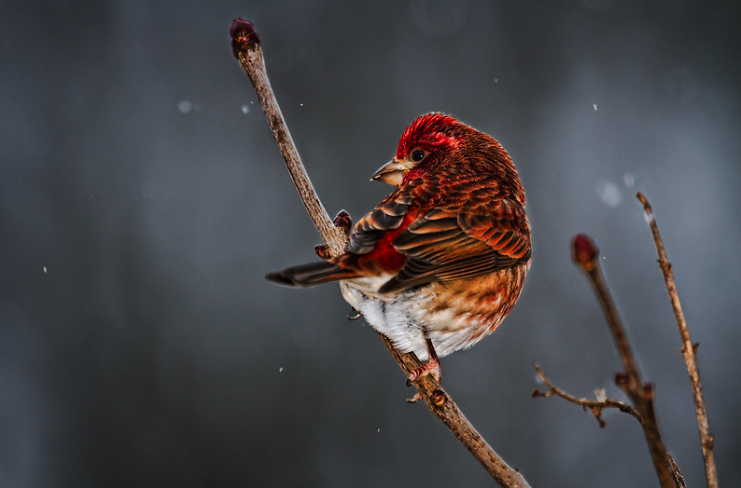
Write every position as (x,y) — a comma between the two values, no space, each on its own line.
(392,172)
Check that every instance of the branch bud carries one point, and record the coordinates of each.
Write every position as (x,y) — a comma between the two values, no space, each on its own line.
(584,252)
(243,34)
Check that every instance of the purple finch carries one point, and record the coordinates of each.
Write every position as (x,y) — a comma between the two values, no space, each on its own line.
(441,261)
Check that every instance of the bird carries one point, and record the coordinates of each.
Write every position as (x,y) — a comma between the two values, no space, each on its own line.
(439,263)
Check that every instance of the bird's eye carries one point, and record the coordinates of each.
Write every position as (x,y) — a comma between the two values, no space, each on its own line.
(418,155)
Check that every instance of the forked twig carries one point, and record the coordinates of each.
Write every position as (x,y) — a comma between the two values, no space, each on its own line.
(586,255)
(246,48)
(688,349)
(595,406)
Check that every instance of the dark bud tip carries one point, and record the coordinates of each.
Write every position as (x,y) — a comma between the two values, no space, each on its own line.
(584,252)
(648,389)
(621,379)
(242,33)
(438,398)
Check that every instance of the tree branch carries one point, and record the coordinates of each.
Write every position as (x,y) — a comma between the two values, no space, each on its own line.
(246,48)
(688,349)
(594,406)
(641,394)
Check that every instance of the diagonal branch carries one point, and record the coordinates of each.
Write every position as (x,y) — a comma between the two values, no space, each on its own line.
(688,349)
(246,48)
(445,409)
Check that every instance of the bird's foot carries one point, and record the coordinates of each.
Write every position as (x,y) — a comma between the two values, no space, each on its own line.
(343,221)
(431,367)
(417,397)
(354,315)
(322,250)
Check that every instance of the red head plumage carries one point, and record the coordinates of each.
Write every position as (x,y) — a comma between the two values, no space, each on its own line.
(431,130)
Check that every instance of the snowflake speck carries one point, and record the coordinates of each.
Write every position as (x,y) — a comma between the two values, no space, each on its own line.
(609,193)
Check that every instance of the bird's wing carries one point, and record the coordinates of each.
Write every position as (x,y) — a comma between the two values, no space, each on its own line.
(371,237)
(446,245)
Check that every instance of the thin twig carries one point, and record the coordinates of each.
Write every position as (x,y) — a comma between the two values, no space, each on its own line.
(246,48)
(594,406)
(688,349)
(586,256)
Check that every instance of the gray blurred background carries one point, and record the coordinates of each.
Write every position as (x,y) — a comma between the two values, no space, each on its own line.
(142,200)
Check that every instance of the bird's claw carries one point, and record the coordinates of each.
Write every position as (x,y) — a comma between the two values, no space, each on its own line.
(343,221)
(417,397)
(431,367)
(322,250)
(354,315)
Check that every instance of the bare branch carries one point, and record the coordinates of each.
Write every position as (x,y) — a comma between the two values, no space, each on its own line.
(445,409)
(586,256)
(246,48)
(688,349)
(594,406)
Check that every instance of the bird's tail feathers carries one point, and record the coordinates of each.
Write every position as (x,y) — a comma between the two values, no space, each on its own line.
(310,274)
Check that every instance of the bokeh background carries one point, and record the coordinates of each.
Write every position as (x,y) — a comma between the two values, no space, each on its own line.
(142,200)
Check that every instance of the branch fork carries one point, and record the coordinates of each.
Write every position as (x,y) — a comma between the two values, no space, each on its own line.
(641,394)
